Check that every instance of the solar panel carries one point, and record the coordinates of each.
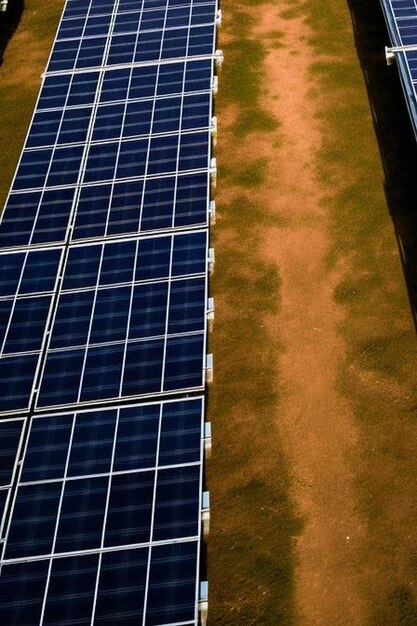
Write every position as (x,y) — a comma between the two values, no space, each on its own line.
(130,321)
(103,36)
(103,305)
(130,140)
(133,207)
(105,523)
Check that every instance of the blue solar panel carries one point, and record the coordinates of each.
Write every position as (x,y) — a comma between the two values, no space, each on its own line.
(85,11)
(130,321)
(136,37)
(68,90)
(108,508)
(103,303)
(130,159)
(45,200)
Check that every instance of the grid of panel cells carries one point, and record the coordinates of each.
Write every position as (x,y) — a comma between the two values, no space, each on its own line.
(135,159)
(27,289)
(132,32)
(11,437)
(104,248)
(129,321)
(104,526)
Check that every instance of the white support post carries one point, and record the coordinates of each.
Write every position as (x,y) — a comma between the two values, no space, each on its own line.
(207,440)
(205,514)
(389,56)
(390,52)
(213,172)
(211,260)
(219,58)
(210,314)
(212,212)
(213,130)
(203,603)
(3,5)
(209,369)
(219,18)
(215,85)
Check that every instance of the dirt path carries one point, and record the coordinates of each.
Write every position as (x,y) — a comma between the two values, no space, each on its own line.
(315,421)
(316,355)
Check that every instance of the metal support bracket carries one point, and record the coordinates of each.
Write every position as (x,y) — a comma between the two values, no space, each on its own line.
(211,260)
(207,440)
(213,172)
(209,369)
(219,58)
(203,602)
(205,514)
(210,314)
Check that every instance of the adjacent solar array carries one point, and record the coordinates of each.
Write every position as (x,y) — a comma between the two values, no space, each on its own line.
(401,19)
(104,262)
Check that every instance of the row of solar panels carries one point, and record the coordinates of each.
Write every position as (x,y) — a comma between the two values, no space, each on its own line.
(401,19)
(104,302)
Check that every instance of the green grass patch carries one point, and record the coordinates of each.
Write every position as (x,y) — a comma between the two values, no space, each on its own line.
(243,75)
(252,174)
(254,121)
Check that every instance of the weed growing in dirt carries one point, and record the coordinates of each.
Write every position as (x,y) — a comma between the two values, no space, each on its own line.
(242,84)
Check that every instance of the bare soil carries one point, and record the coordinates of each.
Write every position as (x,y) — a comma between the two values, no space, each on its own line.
(345,573)
(315,420)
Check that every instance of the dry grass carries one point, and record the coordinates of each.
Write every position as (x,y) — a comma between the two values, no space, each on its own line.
(24,61)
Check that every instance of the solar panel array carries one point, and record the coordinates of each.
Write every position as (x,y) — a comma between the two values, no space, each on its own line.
(401,19)
(104,297)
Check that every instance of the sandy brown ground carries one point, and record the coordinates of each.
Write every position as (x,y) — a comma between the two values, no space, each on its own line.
(343,568)
(315,421)
(316,424)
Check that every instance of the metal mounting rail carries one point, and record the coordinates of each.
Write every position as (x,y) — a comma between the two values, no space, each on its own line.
(391,51)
